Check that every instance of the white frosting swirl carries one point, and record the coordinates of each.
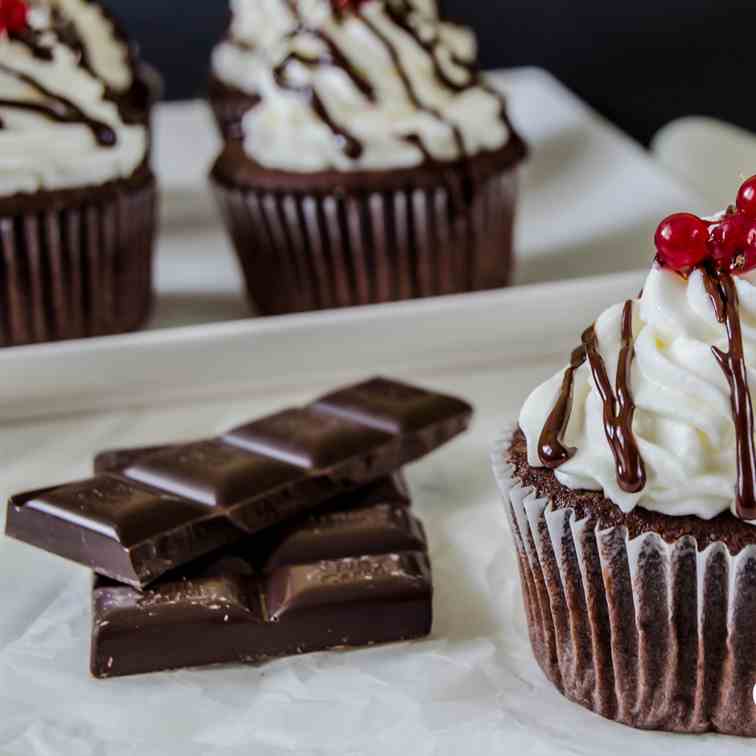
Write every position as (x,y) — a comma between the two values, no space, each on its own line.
(107,51)
(38,152)
(284,132)
(683,424)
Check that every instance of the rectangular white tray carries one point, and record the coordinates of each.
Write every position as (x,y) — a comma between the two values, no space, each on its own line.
(264,356)
(590,201)
(473,687)
(591,198)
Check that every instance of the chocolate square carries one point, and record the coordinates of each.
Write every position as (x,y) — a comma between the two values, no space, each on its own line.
(308,438)
(214,473)
(391,406)
(114,508)
(295,589)
(377,529)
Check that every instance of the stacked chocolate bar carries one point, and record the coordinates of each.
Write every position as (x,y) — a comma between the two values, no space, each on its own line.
(287,535)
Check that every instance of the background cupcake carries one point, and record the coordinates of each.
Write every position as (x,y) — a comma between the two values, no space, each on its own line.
(372,162)
(77,196)
(89,27)
(631,486)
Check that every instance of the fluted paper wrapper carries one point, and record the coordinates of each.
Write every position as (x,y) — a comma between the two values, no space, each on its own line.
(652,634)
(81,268)
(306,250)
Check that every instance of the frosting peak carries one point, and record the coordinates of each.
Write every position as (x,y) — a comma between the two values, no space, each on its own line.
(378,84)
(59,127)
(684,425)
(107,53)
(685,356)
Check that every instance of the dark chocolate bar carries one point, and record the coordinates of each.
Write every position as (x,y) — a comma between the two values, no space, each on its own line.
(346,578)
(150,511)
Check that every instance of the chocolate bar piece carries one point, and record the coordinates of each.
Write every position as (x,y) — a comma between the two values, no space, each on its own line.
(150,511)
(347,578)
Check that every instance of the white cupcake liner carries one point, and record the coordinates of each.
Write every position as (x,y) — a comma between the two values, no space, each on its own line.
(652,634)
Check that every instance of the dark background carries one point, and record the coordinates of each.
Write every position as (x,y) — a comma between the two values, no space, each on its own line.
(641,63)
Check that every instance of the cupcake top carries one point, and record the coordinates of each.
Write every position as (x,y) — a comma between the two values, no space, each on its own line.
(655,408)
(354,85)
(103,47)
(60,124)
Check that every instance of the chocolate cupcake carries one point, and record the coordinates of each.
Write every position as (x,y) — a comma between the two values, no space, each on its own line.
(630,483)
(77,196)
(366,159)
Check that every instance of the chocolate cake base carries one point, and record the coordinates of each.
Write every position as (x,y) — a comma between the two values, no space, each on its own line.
(643,618)
(77,263)
(333,239)
(229,106)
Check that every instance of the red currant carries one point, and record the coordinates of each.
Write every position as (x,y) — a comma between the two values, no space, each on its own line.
(14,15)
(747,198)
(682,241)
(727,239)
(745,259)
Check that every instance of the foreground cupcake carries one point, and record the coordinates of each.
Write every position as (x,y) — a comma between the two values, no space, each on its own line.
(631,485)
(372,162)
(77,196)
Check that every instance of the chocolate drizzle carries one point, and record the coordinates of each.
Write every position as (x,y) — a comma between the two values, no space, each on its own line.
(32,38)
(400,12)
(721,289)
(336,59)
(619,408)
(134,102)
(551,449)
(409,87)
(57,108)
(353,147)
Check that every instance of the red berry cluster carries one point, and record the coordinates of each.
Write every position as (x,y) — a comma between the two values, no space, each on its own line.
(685,240)
(14,15)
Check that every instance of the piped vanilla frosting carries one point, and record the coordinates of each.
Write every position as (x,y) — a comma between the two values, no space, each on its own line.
(385,84)
(683,423)
(59,126)
(106,50)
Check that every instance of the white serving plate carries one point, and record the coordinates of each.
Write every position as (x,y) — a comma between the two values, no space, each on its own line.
(472,688)
(591,200)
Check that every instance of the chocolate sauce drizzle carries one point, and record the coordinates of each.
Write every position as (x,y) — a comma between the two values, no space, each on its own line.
(400,12)
(353,147)
(721,289)
(409,87)
(57,108)
(619,408)
(551,449)
(32,38)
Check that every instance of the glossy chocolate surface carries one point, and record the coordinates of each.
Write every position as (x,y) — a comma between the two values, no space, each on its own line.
(148,512)
(353,576)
